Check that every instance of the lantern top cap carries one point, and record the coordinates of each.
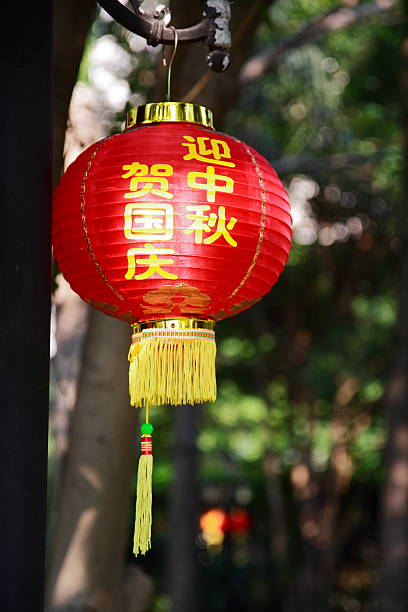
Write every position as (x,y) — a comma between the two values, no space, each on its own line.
(179,112)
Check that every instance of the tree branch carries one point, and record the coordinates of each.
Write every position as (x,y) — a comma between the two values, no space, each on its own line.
(337,19)
(320,165)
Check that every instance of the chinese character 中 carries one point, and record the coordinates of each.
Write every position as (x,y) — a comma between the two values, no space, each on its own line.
(143,181)
(217,152)
(151,260)
(203,222)
(148,221)
(210,185)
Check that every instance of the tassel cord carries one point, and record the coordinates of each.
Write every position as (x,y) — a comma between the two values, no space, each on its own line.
(143,518)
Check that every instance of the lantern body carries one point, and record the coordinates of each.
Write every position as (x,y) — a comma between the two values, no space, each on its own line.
(171,220)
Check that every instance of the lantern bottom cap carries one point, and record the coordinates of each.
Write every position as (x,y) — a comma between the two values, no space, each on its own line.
(172,365)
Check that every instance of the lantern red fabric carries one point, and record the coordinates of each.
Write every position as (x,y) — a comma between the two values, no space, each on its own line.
(171,220)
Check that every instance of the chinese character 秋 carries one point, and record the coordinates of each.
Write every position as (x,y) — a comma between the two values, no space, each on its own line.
(148,221)
(203,222)
(152,262)
(199,222)
(210,185)
(217,152)
(143,182)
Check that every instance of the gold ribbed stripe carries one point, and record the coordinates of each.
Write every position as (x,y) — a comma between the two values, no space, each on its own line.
(263,221)
(189,334)
(84,226)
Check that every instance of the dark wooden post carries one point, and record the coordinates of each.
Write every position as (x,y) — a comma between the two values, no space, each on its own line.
(25,189)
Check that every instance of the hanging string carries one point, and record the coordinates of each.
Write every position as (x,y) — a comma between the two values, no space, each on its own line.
(171,63)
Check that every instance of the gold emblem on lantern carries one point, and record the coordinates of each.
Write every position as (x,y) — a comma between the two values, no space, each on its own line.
(175,298)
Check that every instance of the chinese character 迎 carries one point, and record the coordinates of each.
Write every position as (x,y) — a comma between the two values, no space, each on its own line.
(143,181)
(151,260)
(210,184)
(203,222)
(218,149)
(148,221)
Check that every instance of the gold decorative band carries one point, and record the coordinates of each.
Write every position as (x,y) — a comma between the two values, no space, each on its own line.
(180,112)
(84,225)
(178,335)
(262,225)
(180,323)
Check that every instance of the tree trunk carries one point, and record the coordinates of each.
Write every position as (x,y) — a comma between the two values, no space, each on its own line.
(91,527)
(184,507)
(393,592)
(192,80)
(71,317)
(393,587)
(72,19)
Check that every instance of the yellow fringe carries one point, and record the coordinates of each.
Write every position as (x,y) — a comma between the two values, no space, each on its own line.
(172,371)
(143,520)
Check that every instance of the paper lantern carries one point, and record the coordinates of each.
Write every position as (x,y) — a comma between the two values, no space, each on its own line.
(171,226)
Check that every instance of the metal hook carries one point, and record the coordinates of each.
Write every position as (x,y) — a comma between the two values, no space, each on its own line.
(171,63)
(214,27)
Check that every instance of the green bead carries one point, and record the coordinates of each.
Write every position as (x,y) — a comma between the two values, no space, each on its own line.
(146,429)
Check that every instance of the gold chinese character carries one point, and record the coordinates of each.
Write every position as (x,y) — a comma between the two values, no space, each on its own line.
(154,181)
(199,220)
(204,223)
(218,149)
(152,262)
(148,221)
(210,185)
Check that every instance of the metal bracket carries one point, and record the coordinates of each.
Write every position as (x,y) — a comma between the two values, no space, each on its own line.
(213,28)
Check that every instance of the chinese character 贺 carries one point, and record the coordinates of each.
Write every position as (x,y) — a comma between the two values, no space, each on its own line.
(144,181)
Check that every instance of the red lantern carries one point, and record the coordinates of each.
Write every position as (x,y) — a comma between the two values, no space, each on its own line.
(171,226)
(239,521)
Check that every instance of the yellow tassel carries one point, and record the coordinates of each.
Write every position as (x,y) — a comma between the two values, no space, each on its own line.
(143,519)
(172,367)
